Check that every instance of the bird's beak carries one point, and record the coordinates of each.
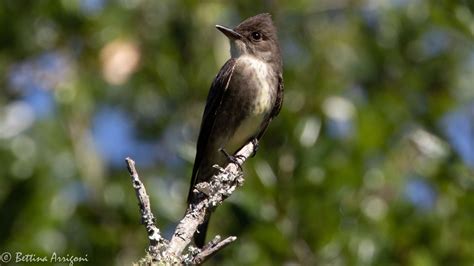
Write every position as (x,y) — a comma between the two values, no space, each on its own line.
(230,33)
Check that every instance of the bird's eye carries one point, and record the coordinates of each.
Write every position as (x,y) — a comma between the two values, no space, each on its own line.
(256,36)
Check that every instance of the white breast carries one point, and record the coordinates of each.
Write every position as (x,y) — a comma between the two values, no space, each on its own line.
(262,104)
(263,98)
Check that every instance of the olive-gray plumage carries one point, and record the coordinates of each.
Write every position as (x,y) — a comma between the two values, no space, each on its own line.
(245,96)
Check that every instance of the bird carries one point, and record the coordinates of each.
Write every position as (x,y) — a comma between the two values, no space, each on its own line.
(244,97)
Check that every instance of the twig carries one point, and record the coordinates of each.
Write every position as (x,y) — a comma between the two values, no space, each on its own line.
(210,249)
(148,219)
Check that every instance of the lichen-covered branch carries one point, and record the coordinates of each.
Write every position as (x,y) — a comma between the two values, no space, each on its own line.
(209,195)
(148,219)
(211,248)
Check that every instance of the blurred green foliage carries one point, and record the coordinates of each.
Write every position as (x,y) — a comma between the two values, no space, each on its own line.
(369,163)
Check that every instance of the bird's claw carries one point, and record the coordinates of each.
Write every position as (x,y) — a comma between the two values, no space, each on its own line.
(231,158)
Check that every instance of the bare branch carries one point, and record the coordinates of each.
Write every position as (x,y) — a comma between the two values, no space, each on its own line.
(208,196)
(210,249)
(148,219)
(221,187)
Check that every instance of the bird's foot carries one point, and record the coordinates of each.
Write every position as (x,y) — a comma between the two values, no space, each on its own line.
(231,158)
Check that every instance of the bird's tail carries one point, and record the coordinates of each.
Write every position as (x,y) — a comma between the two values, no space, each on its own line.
(200,235)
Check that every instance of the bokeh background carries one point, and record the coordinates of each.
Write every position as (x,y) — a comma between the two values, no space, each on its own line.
(370,162)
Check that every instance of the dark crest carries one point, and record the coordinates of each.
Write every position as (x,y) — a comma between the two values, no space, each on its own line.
(261,23)
(260,37)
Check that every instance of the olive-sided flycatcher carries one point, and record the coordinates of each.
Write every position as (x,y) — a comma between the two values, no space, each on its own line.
(245,96)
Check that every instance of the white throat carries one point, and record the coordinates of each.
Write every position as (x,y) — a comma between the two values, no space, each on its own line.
(237,48)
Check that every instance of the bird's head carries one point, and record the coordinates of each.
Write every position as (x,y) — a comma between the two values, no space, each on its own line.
(256,36)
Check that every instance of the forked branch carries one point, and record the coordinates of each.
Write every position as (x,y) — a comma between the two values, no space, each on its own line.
(209,195)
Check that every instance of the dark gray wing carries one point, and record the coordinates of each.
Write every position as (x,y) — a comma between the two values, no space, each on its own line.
(276,107)
(214,100)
